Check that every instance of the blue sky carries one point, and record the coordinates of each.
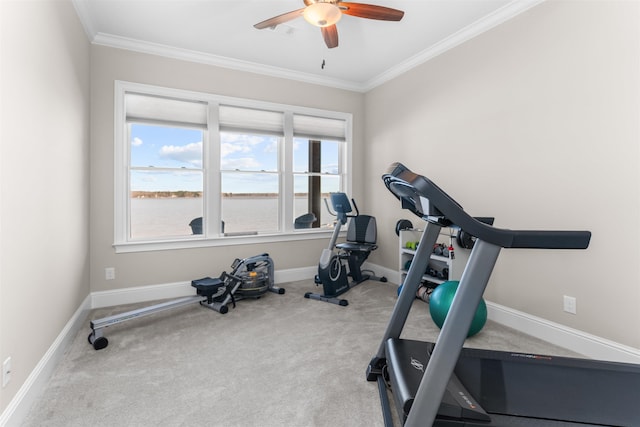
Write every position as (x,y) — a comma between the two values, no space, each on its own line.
(181,148)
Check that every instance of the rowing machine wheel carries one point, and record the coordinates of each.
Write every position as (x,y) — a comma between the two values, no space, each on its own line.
(343,302)
(97,343)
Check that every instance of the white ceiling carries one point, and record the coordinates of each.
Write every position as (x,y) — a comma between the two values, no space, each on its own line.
(221,32)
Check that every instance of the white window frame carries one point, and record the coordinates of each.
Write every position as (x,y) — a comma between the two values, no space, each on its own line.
(211,176)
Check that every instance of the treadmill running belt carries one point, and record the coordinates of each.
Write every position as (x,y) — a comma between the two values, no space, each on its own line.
(555,388)
(520,389)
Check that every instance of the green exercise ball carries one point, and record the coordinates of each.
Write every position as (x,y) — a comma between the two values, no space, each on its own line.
(440,301)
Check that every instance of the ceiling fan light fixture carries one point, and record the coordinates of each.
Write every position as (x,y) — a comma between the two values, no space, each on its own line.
(322,14)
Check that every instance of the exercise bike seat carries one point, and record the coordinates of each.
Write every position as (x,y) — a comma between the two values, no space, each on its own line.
(361,235)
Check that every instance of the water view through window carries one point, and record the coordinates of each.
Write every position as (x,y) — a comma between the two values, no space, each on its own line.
(193,165)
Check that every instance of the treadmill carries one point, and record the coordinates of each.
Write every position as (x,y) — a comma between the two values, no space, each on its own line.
(445,385)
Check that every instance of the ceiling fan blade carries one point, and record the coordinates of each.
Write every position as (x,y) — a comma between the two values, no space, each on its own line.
(280,19)
(370,11)
(330,35)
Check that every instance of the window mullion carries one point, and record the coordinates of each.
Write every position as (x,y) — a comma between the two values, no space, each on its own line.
(212,183)
(286,174)
(345,158)
(121,161)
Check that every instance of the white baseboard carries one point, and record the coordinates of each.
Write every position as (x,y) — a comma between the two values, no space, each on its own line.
(295,274)
(30,391)
(580,342)
(392,276)
(140,294)
(181,289)
(178,289)
(583,343)
(591,346)
(306,273)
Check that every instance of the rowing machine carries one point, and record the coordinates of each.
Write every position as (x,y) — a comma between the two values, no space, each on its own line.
(250,278)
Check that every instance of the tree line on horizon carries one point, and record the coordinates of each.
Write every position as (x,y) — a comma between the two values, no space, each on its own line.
(195,194)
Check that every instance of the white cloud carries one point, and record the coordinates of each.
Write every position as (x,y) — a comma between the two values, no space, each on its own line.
(239,138)
(136,142)
(242,163)
(147,178)
(331,168)
(230,148)
(190,153)
(272,147)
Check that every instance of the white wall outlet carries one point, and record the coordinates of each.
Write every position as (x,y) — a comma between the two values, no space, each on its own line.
(6,371)
(569,304)
(110,273)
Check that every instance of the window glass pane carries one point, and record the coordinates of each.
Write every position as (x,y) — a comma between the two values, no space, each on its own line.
(163,203)
(250,202)
(329,159)
(328,150)
(301,206)
(248,152)
(300,155)
(164,146)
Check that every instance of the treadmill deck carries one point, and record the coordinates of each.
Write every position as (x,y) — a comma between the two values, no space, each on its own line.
(492,388)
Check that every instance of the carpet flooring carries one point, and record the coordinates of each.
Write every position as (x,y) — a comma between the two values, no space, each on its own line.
(281,360)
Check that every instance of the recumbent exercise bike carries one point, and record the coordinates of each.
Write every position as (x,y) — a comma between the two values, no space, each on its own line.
(361,241)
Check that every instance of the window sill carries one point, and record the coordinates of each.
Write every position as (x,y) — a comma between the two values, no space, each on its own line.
(201,242)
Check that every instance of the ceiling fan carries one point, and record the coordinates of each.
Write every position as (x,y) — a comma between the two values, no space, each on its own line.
(326,13)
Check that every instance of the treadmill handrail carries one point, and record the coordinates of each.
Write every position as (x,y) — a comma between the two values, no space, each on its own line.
(426,200)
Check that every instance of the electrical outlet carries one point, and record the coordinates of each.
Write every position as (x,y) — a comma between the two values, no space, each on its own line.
(110,273)
(570,304)
(6,371)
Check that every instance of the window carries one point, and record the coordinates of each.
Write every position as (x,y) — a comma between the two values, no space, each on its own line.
(196,169)
(166,181)
(316,163)
(250,171)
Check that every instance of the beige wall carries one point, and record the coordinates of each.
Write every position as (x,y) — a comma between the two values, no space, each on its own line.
(44,152)
(138,269)
(536,123)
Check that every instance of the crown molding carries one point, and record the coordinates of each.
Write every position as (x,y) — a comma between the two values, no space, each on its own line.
(220,61)
(488,22)
(85,17)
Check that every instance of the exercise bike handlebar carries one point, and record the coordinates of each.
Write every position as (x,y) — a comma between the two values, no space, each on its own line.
(426,200)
